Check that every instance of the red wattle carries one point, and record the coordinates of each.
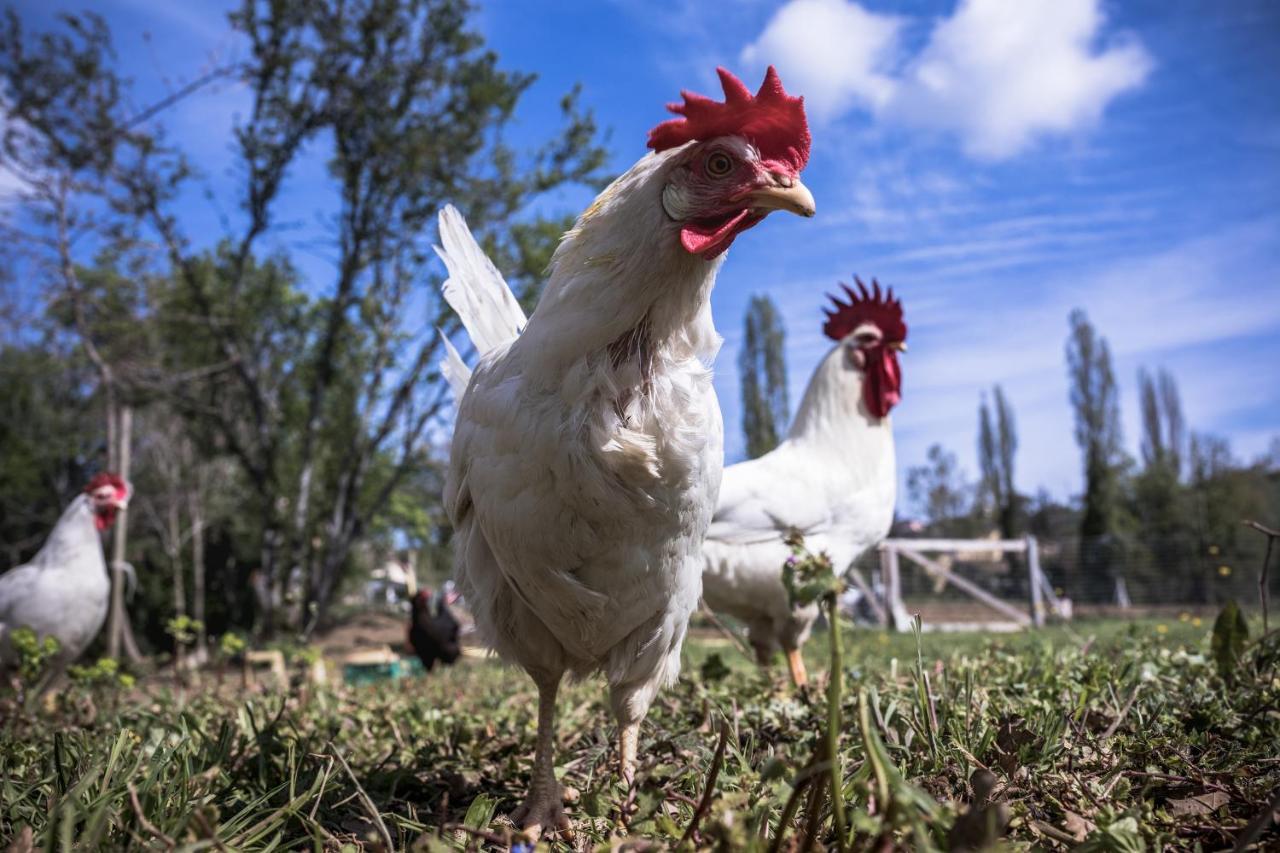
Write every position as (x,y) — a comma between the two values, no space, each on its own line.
(882,381)
(712,239)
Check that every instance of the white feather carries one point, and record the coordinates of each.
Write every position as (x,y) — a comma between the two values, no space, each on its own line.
(475,289)
(64,590)
(833,478)
(587,451)
(454,369)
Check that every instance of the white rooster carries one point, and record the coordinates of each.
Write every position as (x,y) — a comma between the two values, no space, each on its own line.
(833,478)
(587,454)
(64,590)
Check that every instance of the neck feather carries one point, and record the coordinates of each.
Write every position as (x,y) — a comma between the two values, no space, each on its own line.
(832,412)
(75,541)
(620,269)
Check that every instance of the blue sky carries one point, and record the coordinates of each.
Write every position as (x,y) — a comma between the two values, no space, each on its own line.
(999,162)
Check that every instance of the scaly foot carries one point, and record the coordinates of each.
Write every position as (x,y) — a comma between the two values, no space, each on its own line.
(795,662)
(628,739)
(542,813)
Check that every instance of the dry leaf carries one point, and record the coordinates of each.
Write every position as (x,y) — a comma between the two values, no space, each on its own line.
(1199,805)
(1076,826)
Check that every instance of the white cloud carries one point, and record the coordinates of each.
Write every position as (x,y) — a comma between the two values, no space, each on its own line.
(999,74)
(832,51)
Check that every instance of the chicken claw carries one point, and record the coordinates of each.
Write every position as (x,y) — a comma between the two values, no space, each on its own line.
(543,814)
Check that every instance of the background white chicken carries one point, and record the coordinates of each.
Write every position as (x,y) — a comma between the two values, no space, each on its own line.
(833,478)
(587,454)
(64,591)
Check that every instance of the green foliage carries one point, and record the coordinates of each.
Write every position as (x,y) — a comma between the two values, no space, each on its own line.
(47,440)
(33,652)
(713,669)
(1230,632)
(183,629)
(230,645)
(763,372)
(103,673)
(1049,714)
(808,577)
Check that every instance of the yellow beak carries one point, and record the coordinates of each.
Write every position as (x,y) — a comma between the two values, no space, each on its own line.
(787,194)
(900,346)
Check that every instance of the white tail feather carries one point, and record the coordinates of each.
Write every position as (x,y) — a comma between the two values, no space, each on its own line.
(476,290)
(455,370)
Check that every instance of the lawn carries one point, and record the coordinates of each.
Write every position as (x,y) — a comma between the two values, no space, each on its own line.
(1101,736)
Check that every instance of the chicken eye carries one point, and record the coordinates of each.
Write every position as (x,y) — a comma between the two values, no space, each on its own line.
(719,164)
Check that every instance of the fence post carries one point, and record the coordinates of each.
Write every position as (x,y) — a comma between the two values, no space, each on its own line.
(1035,582)
(893,589)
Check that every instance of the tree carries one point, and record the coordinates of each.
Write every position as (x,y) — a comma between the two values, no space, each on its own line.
(997,447)
(321,391)
(1163,427)
(1160,502)
(49,433)
(1222,492)
(939,491)
(763,370)
(1095,402)
(63,147)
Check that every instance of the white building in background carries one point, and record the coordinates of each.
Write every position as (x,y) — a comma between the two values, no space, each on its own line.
(393,581)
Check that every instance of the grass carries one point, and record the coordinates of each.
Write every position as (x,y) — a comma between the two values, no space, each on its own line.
(1102,736)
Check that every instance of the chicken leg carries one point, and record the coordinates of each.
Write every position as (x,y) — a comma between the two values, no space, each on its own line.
(628,738)
(795,662)
(543,807)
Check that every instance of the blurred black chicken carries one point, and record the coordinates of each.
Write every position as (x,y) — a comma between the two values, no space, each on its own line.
(433,630)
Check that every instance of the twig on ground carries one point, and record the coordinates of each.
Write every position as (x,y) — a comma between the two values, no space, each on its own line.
(142,818)
(212,834)
(324,781)
(443,814)
(1124,712)
(737,641)
(485,835)
(1271,535)
(834,685)
(709,791)
(1256,826)
(364,799)
(1053,832)
(803,779)
(813,817)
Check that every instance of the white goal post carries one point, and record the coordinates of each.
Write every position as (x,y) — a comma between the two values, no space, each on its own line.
(1041,599)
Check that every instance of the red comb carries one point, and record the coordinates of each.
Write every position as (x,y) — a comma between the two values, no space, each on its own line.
(115,481)
(868,306)
(771,120)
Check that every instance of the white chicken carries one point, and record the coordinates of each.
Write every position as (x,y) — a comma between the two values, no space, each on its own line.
(833,478)
(587,453)
(63,592)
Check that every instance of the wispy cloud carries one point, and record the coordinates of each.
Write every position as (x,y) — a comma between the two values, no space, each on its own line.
(201,21)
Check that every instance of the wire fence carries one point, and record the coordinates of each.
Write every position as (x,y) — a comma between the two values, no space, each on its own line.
(974,581)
